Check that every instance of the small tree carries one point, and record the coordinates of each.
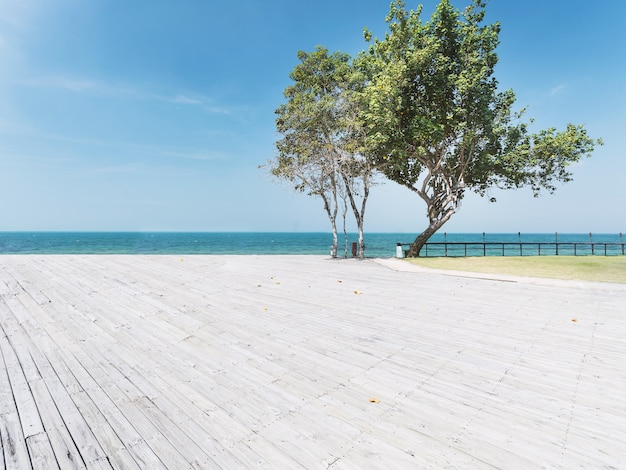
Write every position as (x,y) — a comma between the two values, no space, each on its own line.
(314,175)
(306,122)
(436,122)
(357,174)
(318,151)
(356,167)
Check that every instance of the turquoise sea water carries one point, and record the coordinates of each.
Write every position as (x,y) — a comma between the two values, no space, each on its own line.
(377,244)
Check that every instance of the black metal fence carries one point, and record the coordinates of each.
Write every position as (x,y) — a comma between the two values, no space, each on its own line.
(519,248)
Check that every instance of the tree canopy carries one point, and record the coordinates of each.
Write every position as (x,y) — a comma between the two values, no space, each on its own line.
(436,122)
(321,144)
(421,106)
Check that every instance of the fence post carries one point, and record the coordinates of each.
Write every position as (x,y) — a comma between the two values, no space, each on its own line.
(556,236)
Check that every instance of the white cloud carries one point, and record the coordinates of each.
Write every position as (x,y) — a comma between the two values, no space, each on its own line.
(87,86)
(101,88)
(11,128)
(219,110)
(118,169)
(182,99)
(201,156)
(557,90)
(158,151)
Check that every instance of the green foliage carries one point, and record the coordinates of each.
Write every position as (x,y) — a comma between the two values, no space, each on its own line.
(436,122)
(309,120)
(422,106)
(320,150)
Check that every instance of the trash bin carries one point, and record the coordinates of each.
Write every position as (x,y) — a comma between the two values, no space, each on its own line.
(353,249)
(399,252)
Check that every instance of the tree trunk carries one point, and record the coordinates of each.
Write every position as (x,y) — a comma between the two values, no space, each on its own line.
(423,237)
(345,231)
(361,240)
(360,219)
(420,241)
(333,249)
(359,215)
(344,214)
(331,211)
(440,208)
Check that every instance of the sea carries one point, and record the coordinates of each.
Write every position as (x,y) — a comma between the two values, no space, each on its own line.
(300,243)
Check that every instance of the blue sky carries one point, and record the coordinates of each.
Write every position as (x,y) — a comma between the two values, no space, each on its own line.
(155,115)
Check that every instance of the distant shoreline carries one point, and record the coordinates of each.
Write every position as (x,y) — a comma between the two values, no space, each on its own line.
(314,243)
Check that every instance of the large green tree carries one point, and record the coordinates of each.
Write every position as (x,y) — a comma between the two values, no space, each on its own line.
(319,151)
(436,122)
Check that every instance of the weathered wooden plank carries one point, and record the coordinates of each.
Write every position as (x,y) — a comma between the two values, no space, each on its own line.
(22,395)
(65,451)
(102,429)
(127,441)
(168,455)
(56,445)
(196,418)
(141,436)
(62,386)
(14,450)
(137,450)
(193,454)
(253,361)
(41,453)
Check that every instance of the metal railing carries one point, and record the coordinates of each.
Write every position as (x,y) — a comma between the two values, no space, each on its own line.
(519,248)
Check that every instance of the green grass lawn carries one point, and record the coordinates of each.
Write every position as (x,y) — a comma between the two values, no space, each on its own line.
(587,268)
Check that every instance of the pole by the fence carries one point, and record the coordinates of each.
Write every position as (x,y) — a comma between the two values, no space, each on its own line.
(484,245)
(556,235)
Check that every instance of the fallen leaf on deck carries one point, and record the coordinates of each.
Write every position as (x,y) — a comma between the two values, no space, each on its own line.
(574,320)
(339,281)
(374,400)
(358,292)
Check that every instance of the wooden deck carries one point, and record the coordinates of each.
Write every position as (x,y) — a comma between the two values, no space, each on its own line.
(304,362)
